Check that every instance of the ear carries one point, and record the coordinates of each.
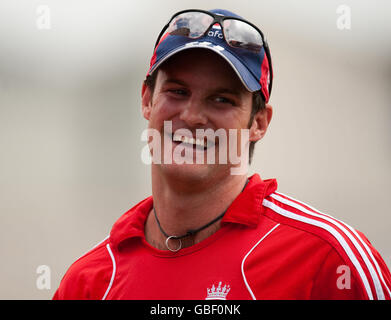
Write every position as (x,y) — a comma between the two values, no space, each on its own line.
(260,123)
(146,101)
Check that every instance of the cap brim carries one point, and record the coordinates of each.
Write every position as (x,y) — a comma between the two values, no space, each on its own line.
(242,72)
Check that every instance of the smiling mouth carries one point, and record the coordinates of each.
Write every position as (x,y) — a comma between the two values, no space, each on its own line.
(197,143)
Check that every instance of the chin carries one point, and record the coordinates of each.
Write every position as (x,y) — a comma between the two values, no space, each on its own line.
(194,173)
(188,171)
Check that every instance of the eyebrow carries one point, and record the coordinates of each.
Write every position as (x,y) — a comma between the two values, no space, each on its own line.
(177,81)
(233,91)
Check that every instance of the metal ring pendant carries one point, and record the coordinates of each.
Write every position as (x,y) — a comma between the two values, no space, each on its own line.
(174,250)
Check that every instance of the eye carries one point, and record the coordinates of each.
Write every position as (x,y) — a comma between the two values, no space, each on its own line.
(179,92)
(224,100)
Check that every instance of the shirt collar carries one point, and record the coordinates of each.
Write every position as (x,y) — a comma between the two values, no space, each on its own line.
(246,209)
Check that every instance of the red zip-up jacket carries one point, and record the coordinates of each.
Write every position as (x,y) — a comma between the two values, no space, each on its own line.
(269,246)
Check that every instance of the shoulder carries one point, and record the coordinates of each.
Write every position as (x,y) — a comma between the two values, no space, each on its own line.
(89,276)
(309,241)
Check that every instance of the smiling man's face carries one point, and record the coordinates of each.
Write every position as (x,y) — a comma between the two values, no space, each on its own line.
(197,89)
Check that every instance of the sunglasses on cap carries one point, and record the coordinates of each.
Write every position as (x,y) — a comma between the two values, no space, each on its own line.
(194,23)
(237,33)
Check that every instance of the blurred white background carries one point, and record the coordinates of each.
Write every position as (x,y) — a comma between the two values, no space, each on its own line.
(70,120)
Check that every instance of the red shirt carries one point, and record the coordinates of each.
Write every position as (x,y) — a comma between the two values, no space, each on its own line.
(269,246)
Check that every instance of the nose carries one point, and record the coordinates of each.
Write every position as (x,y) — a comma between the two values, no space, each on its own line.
(193,113)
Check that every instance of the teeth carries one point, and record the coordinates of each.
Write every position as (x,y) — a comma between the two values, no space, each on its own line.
(189,140)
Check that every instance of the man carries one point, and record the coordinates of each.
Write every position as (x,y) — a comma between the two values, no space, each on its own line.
(208,231)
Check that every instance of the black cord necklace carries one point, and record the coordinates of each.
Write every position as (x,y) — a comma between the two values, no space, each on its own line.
(189,232)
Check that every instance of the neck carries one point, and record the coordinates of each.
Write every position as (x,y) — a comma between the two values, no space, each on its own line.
(183,205)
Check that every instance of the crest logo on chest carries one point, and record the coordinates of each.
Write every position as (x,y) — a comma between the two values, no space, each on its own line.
(218,293)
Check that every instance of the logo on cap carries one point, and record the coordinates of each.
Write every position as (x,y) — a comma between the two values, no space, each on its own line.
(215,31)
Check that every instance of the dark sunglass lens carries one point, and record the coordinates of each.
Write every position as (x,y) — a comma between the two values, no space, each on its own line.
(190,24)
(240,34)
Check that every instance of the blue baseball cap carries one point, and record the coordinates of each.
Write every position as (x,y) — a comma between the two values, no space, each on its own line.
(254,69)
